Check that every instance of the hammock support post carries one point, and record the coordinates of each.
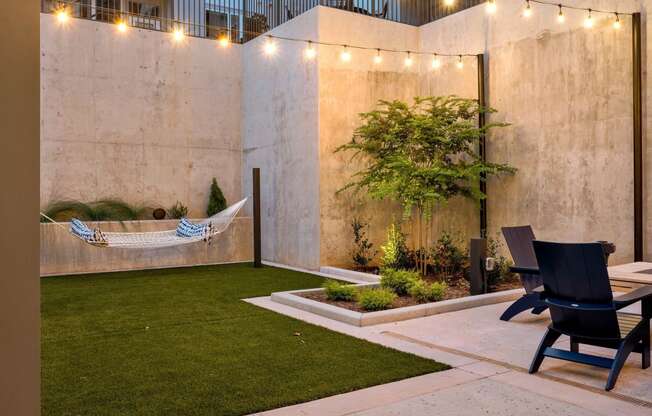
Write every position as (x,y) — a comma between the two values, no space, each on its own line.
(257,239)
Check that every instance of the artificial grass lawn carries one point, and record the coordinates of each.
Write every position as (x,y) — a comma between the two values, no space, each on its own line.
(181,342)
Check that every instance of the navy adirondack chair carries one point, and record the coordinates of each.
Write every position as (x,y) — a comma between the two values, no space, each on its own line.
(578,293)
(519,241)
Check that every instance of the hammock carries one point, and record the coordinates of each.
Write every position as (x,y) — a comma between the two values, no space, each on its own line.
(187,232)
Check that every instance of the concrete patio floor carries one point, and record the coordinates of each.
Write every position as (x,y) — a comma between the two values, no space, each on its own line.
(489,376)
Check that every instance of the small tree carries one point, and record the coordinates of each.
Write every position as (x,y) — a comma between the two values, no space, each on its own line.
(216,200)
(421,155)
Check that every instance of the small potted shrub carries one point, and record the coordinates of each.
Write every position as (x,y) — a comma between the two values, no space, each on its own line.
(376,299)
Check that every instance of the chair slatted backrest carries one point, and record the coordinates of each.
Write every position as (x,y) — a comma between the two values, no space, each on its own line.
(519,241)
(577,289)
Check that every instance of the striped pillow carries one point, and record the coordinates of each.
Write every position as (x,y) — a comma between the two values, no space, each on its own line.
(187,229)
(81,230)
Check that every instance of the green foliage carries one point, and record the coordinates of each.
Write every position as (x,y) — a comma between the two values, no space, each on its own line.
(501,272)
(447,258)
(398,281)
(178,211)
(101,210)
(424,292)
(376,299)
(216,200)
(423,153)
(363,252)
(338,291)
(395,251)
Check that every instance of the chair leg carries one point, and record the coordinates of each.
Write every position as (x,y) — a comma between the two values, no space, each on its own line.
(574,346)
(526,302)
(619,360)
(538,310)
(548,339)
(645,341)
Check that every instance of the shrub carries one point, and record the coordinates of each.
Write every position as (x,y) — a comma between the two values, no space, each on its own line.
(178,211)
(376,299)
(448,259)
(398,281)
(424,292)
(501,272)
(362,252)
(338,291)
(101,210)
(216,200)
(395,251)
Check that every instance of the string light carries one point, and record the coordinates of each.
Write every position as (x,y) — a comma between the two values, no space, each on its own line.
(224,41)
(345,56)
(436,63)
(408,60)
(270,46)
(617,25)
(527,11)
(62,15)
(310,51)
(460,63)
(560,17)
(588,22)
(178,35)
(491,6)
(122,26)
(378,58)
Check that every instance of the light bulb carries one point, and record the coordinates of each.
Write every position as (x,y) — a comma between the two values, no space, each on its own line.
(527,11)
(310,52)
(560,16)
(178,35)
(491,6)
(617,25)
(460,63)
(224,41)
(408,60)
(588,22)
(62,15)
(436,63)
(270,46)
(345,55)
(378,59)
(449,3)
(122,26)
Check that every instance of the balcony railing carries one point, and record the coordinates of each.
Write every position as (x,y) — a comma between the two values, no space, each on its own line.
(242,20)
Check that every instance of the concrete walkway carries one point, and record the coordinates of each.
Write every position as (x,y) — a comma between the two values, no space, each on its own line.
(489,359)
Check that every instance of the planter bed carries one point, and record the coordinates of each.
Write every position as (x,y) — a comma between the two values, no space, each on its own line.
(347,312)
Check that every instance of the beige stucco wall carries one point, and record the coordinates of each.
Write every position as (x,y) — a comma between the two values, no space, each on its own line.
(63,254)
(137,116)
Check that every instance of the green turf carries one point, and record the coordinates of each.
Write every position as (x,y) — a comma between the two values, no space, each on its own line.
(181,342)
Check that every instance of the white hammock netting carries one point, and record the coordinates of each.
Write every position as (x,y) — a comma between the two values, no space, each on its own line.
(217,224)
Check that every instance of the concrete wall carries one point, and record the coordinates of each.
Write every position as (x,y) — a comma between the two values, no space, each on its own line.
(63,254)
(567,93)
(136,116)
(280,135)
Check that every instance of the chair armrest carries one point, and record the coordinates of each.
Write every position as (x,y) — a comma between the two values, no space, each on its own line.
(633,297)
(524,270)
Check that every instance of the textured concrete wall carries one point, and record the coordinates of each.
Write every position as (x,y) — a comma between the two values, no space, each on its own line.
(280,136)
(567,92)
(136,116)
(61,253)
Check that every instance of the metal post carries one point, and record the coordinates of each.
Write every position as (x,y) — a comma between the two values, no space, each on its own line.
(638,137)
(257,245)
(483,143)
(477,273)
